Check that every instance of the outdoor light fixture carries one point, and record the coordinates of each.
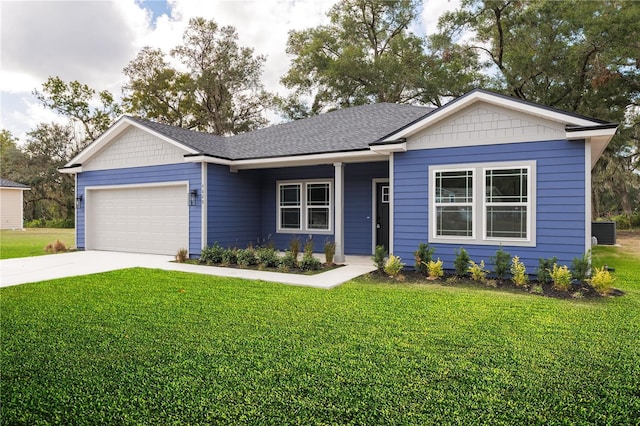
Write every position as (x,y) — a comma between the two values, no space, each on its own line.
(79,201)
(193,197)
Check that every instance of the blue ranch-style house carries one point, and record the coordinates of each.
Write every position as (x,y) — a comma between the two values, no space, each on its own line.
(482,171)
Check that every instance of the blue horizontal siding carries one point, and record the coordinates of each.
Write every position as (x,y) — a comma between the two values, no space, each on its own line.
(143,175)
(560,203)
(234,207)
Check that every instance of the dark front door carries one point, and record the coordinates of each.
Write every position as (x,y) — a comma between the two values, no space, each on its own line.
(382,214)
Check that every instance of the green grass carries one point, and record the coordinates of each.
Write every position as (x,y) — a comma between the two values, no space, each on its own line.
(32,241)
(153,347)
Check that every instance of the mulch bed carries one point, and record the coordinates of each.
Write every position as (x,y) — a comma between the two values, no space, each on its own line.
(576,291)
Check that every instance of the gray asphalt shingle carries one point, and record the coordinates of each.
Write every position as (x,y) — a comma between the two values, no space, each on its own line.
(349,129)
(6,183)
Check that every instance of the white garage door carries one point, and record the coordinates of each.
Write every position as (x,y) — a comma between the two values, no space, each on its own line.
(149,219)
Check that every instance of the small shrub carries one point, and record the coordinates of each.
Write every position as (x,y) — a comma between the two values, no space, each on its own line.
(379,257)
(461,263)
(518,272)
(543,273)
(229,257)
(294,247)
(393,266)
(267,257)
(580,267)
(308,246)
(56,247)
(561,277)
(477,271)
(212,254)
(329,252)
(423,257)
(309,263)
(537,289)
(288,262)
(435,269)
(491,283)
(602,281)
(246,257)
(182,255)
(501,262)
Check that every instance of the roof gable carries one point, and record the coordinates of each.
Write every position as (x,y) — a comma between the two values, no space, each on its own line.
(6,183)
(134,147)
(478,95)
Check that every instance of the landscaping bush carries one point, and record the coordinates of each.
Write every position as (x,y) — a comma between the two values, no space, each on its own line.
(393,266)
(379,256)
(501,262)
(423,257)
(435,269)
(309,262)
(518,272)
(288,261)
(329,252)
(182,255)
(212,254)
(461,263)
(477,271)
(229,256)
(561,277)
(267,257)
(246,257)
(580,267)
(56,247)
(543,273)
(294,246)
(602,281)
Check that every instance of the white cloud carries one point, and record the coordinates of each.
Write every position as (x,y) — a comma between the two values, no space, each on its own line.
(92,41)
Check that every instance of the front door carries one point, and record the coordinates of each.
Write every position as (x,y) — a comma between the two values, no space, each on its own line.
(382,214)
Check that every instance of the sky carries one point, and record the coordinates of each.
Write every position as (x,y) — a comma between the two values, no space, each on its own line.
(91,41)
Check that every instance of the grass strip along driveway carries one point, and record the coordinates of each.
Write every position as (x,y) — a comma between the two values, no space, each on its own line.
(152,347)
(32,241)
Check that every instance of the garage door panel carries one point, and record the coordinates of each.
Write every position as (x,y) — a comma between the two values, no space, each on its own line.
(138,219)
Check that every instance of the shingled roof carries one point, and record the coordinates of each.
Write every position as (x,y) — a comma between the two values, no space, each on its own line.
(6,183)
(350,129)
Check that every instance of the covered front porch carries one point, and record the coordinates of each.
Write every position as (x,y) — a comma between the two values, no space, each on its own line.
(344,202)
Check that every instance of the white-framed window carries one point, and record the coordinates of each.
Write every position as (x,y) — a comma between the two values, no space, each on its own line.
(305,206)
(385,194)
(454,203)
(483,203)
(506,203)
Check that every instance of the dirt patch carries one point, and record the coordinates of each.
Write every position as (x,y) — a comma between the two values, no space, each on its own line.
(629,241)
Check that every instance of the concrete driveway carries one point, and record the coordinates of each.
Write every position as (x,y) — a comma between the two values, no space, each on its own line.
(41,268)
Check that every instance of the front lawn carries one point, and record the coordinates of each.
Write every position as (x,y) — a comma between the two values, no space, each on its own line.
(32,241)
(154,347)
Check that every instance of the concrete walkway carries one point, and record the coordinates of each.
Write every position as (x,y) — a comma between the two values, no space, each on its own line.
(48,267)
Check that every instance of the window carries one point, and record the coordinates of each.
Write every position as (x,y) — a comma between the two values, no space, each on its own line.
(318,206)
(454,203)
(385,194)
(483,203)
(290,206)
(506,203)
(304,206)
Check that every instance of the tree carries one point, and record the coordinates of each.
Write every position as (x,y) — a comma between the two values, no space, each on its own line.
(367,54)
(158,92)
(576,56)
(74,100)
(221,92)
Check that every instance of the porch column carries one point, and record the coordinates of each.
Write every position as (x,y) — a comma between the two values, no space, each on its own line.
(339,211)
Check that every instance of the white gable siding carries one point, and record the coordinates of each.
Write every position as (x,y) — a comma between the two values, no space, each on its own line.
(484,124)
(10,208)
(135,148)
